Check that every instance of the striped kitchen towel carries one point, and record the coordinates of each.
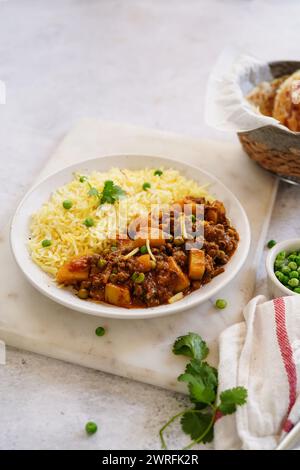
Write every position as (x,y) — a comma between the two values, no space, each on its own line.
(263,355)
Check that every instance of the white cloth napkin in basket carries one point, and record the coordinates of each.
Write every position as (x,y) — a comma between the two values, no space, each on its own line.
(263,355)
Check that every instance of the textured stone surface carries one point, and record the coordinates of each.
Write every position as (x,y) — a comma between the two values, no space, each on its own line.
(144,62)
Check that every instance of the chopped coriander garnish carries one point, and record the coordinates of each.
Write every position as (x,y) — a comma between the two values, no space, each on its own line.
(46,243)
(67,204)
(221,303)
(100,331)
(271,243)
(158,173)
(91,427)
(82,179)
(202,379)
(111,193)
(146,186)
(193,218)
(89,222)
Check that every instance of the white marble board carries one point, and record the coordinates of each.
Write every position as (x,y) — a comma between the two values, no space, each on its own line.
(138,349)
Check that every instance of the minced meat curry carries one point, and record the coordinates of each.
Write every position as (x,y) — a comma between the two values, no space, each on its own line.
(147,272)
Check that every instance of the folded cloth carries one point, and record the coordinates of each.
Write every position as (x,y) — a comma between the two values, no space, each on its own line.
(261,354)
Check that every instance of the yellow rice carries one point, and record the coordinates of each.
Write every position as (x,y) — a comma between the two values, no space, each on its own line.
(65,228)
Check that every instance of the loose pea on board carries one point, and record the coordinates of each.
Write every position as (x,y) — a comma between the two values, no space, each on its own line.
(287,270)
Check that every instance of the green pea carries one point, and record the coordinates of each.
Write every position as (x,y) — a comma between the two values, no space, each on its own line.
(138,278)
(293,282)
(221,303)
(67,204)
(144,249)
(271,243)
(101,263)
(292,257)
(83,293)
(89,222)
(297,260)
(82,179)
(297,290)
(285,270)
(279,264)
(280,276)
(281,255)
(294,274)
(100,331)
(285,280)
(91,427)
(158,173)
(146,186)
(46,243)
(293,265)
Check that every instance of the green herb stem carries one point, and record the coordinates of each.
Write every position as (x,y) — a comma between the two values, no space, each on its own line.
(171,420)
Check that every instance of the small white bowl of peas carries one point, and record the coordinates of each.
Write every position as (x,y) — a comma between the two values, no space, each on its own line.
(283,267)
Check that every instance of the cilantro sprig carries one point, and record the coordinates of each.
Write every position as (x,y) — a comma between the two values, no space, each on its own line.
(202,381)
(110,194)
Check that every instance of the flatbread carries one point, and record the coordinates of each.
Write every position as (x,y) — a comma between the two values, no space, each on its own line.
(286,105)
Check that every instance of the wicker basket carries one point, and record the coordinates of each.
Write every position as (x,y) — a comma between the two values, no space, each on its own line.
(277,150)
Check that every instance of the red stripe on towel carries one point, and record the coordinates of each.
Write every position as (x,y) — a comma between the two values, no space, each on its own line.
(286,351)
(288,426)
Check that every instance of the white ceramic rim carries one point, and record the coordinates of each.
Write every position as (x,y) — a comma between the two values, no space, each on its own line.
(71,301)
(287,245)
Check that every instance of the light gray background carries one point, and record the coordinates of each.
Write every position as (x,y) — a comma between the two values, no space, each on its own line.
(144,62)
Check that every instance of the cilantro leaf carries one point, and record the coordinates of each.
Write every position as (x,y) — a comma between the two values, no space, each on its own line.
(231,398)
(191,345)
(202,382)
(111,192)
(195,425)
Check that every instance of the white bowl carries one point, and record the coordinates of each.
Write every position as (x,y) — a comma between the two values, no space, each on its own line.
(275,287)
(45,284)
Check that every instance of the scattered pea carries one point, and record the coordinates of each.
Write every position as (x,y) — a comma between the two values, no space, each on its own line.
(158,173)
(271,243)
(138,278)
(91,428)
(82,179)
(89,222)
(144,249)
(221,303)
(67,204)
(100,331)
(146,186)
(83,293)
(46,243)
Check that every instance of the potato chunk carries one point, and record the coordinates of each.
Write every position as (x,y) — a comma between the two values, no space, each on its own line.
(196,264)
(117,295)
(145,263)
(73,271)
(182,281)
